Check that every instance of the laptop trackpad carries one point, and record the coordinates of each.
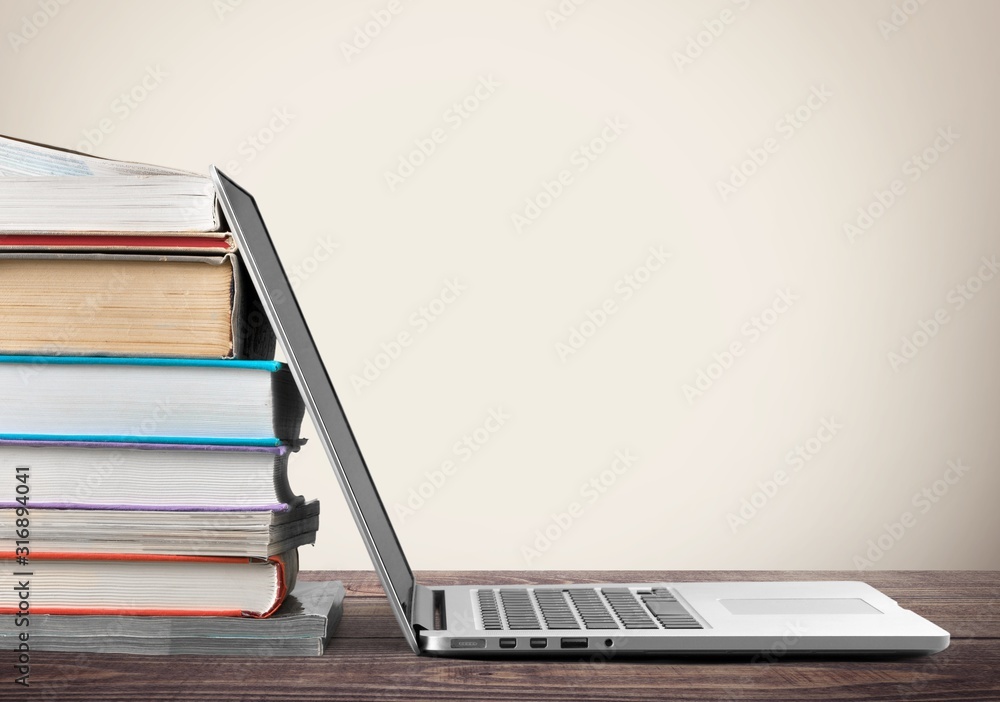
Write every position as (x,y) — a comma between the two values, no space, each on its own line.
(829,605)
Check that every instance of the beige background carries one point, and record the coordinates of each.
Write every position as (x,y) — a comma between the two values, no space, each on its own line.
(214,78)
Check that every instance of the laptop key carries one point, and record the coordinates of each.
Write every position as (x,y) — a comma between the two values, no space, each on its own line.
(665,607)
(555,610)
(518,609)
(670,613)
(628,608)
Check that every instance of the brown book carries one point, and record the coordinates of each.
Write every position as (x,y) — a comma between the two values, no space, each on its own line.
(130,305)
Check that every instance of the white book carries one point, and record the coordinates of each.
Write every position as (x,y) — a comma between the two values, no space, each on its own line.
(48,189)
(95,475)
(149,400)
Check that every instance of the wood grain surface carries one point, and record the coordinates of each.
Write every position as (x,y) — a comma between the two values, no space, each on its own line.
(368,659)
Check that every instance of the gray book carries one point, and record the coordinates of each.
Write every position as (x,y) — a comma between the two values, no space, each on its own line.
(301,627)
(253,534)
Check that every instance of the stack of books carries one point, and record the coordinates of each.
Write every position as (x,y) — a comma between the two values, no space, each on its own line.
(145,428)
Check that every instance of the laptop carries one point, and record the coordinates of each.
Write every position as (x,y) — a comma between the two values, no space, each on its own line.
(769,619)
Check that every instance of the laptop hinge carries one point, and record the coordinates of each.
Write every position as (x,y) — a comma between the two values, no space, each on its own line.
(424,600)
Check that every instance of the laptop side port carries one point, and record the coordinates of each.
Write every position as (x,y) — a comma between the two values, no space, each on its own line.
(574,642)
(508,643)
(538,643)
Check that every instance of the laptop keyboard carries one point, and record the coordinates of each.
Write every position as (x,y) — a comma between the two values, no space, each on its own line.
(518,609)
(582,608)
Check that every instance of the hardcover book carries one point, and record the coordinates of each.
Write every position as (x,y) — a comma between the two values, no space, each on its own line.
(215,243)
(149,400)
(148,476)
(149,584)
(130,305)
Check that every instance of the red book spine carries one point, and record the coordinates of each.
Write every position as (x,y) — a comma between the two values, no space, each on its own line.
(58,242)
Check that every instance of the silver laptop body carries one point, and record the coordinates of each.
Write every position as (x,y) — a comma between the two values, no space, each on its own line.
(763,619)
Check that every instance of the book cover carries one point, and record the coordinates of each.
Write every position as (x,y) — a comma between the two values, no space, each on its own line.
(149,400)
(148,584)
(118,304)
(301,626)
(119,242)
(175,477)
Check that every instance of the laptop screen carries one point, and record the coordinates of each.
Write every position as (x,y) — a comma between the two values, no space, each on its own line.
(320,398)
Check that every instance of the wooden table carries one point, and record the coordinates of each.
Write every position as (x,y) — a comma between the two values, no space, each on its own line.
(368,659)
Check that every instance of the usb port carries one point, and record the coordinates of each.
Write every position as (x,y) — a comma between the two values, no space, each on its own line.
(574,642)
(508,643)
(538,643)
